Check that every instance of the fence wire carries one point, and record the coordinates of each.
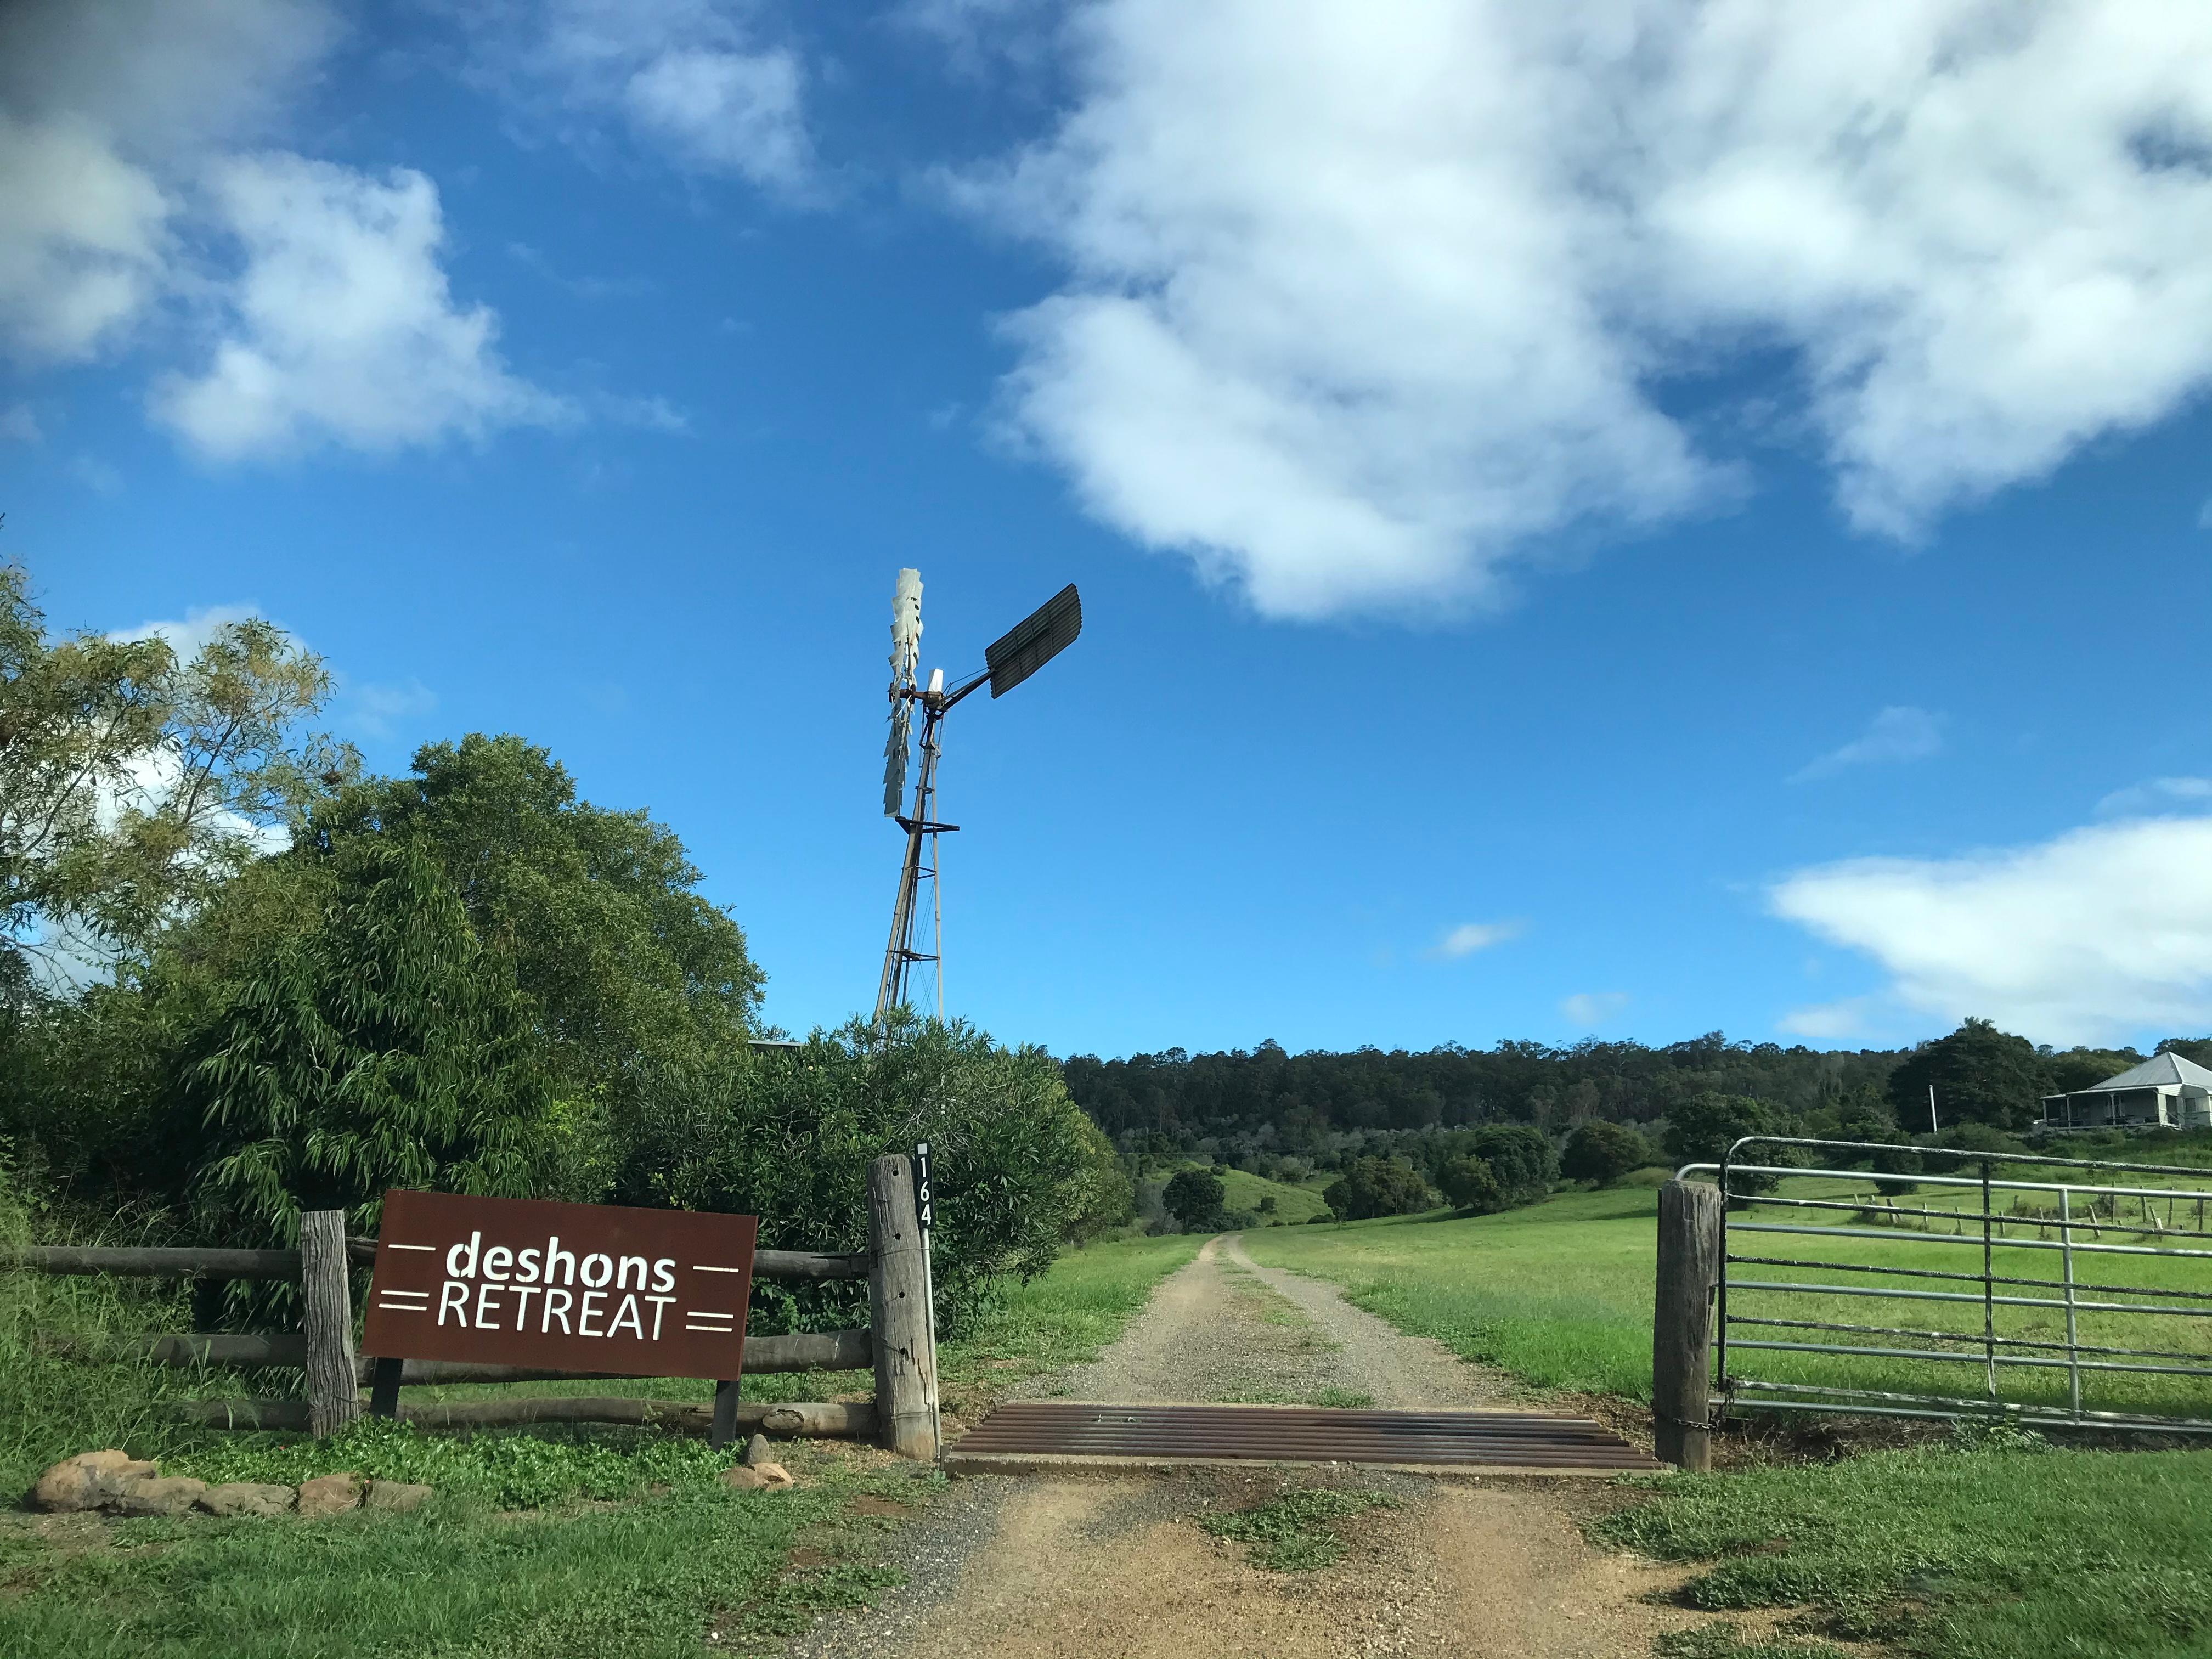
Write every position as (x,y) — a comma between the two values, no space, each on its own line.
(2061,1240)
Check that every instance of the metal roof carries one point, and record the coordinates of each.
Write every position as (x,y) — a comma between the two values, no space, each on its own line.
(2158,1071)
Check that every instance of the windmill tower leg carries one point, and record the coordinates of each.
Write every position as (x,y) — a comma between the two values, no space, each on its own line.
(890,989)
(899,955)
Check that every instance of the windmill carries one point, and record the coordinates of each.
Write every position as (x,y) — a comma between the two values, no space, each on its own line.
(1016,655)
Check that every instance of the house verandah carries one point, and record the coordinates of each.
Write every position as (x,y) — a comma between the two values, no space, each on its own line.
(2164,1092)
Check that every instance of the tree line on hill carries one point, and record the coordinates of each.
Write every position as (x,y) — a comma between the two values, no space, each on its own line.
(240,977)
(1406,1131)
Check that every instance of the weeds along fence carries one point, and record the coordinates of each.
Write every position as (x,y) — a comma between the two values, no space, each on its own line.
(2055,1293)
(897,1342)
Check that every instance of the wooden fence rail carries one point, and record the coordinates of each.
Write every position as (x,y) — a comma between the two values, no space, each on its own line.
(811,1351)
(193,1262)
(898,1343)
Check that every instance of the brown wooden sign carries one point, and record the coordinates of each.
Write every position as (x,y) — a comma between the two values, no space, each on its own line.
(584,1287)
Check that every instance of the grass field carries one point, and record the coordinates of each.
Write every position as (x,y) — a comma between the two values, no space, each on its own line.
(1953,1555)
(1294,1205)
(1999,1549)
(590,1543)
(1560,1294)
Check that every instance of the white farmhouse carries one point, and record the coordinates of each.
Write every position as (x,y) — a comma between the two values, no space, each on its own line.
(2164,1092)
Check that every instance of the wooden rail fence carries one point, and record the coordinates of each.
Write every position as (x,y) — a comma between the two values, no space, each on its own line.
(898,1342)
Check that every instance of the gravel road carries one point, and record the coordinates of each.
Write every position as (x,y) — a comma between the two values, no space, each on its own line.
(1112,1567)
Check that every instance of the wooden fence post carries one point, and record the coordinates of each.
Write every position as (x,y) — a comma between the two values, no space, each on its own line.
(333,1388)
(898,1313)
(1681,1322)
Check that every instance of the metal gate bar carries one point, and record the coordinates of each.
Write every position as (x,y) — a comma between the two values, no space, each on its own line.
(1047,1433)
(1975,1224)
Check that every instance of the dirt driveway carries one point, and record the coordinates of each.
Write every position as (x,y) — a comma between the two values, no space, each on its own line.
(1008,1567)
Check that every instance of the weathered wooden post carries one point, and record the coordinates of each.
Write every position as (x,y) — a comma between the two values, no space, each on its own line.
(333,1387)
(898,1313)
(1681,1322)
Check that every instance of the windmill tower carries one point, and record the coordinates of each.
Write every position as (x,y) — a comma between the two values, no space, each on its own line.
(1011,659)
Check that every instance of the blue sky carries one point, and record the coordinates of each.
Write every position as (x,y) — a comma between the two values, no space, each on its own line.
(1740,570)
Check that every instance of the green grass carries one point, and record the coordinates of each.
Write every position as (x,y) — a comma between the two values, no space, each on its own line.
(1063,1317)
(1963,1554)
(1560,1294)
(1293,1532)
(1243,1191)
(653,1577)
(578,1540)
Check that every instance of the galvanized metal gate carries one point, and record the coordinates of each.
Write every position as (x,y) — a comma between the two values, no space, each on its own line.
(2003,1278)
(1040,1435)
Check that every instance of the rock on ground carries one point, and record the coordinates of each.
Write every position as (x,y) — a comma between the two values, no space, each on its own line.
(395,1495)
(329,1494)
(249,1497)
(166,1495)
(89,1481)
(762,1477)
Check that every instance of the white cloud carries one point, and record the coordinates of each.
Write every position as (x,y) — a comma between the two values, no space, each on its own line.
(97,101)
(378,710)
(96,475)
(978,36)
(691,79)
(1469,937)
(341,324)
(189,637)
(1365,302)
(2100,934)
(1897,733)
(1828,1021)
(308,298)
(1591,1009)
(2159,797)
(82,258)
(19,424)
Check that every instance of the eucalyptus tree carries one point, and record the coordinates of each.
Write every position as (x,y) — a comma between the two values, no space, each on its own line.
(135,780)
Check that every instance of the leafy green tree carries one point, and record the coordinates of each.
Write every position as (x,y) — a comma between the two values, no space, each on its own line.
(1601,1150)
(1975,1138)
(1863,1115)
(134,783)
(1521,1157)
(1378,1186)
(2085,1068)
(1980,1075)
(1196,1198)
(626,967)
(1702,1128)
(1105,1197)
(1468,1184)
(386,1047)
(789,1137)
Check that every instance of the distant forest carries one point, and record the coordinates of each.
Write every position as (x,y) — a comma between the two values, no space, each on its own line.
(1305,1103)
(1266,1106)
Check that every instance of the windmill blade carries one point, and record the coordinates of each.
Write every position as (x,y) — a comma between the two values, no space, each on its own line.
(906,628)
(895,759)
(1035,641)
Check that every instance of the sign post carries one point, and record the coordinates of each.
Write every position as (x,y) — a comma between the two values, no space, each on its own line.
(582,1287)
(925,1203)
